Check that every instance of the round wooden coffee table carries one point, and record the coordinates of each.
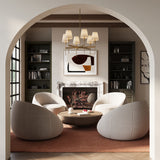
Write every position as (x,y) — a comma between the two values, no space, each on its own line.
(83,120)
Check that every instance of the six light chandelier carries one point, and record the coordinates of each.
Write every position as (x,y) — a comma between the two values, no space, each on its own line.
(89,41)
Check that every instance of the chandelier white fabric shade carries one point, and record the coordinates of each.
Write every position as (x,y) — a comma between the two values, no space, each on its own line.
(89,39)
(76,40)
(95,36)
(69,34)
(64,38)
(84,33)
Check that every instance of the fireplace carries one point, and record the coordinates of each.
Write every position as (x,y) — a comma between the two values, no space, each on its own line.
(80,95)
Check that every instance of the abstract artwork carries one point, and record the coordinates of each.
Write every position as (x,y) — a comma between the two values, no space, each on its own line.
(144,68)
(80,62)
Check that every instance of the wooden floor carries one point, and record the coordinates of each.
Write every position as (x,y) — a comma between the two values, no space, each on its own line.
(79,156)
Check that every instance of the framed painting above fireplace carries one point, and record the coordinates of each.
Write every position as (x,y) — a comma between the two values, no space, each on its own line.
(80,62)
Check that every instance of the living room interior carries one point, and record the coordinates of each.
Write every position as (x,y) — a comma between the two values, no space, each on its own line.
(110,33)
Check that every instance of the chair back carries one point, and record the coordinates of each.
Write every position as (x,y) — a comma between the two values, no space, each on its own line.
(114,98)
(43,98)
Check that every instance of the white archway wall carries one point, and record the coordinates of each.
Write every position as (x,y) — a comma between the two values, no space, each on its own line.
(15,17)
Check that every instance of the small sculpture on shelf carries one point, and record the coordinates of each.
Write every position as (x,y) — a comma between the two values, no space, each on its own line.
(36,58)
(129,85)
(116,50)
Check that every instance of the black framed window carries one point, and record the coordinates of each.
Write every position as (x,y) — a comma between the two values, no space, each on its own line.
(15,74)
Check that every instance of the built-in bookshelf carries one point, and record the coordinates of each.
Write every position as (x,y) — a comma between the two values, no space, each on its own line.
(122,68)
(38,68)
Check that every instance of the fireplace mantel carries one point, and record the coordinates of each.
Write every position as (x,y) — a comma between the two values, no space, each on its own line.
(99,85)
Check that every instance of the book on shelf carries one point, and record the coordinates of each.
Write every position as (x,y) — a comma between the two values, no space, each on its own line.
(45,60)
(43,69)
(43,51)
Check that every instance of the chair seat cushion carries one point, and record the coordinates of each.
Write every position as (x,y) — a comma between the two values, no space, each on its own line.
(55,108)
(104,108)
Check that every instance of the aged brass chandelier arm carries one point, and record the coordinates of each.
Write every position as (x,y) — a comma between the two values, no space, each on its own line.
(79,21)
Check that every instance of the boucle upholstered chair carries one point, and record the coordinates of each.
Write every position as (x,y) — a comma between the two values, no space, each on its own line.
(50,101)
(128,122)
(109,101)
(32,122)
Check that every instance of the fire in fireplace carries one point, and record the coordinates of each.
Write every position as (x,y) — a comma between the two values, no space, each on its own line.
(80,97)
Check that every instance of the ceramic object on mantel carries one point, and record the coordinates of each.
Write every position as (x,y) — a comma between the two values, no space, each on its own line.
(91,98)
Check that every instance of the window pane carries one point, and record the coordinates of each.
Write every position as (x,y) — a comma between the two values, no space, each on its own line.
(17,85)
(14,88)
(14,77)
(11,89)
(13,64)
(17,98)
(17,54)
(17,44)
(13,98)
(17,76)
(13,54)
(17,66)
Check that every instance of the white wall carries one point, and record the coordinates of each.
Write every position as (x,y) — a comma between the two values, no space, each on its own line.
(126,34)
(57,58)
(142,16)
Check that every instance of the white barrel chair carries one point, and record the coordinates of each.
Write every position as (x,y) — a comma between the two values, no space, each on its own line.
(128,122)
(50,101)
(109,101)
(32,122)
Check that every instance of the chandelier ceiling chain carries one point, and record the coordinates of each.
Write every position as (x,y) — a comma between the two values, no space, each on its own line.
(89,39)
(79,20)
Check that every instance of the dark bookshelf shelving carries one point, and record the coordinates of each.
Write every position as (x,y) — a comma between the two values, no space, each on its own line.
(122,68)
(38,68)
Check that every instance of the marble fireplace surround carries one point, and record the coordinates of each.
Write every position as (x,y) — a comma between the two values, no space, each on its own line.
(98,85)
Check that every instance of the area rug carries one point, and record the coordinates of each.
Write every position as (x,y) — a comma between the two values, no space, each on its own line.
(79,139)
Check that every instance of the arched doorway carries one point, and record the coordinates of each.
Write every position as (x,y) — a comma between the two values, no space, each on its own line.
(122,18)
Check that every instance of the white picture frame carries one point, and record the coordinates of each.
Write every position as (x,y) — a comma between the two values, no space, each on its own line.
(80,62)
